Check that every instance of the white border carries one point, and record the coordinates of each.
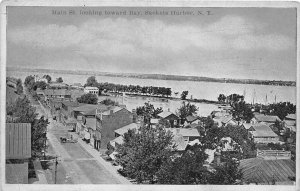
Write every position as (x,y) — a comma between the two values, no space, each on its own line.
(136,3)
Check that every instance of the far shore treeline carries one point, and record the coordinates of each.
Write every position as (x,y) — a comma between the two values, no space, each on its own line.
(161,77)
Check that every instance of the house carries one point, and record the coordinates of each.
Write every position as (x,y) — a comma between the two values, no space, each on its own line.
(111,119)
(192,119)
(18,152)
(91,90)
(269,119)
(224,120)
(189,134)
(262,133)
(290,122)
(260,171)
(171,117)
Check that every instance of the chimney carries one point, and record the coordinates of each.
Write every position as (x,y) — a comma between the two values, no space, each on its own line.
(111,112)
(134,116)
(168,109)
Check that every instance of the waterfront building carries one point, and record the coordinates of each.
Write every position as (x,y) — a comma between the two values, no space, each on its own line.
(91,90)
(171,117)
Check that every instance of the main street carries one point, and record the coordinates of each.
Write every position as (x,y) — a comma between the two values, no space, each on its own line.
(78,163)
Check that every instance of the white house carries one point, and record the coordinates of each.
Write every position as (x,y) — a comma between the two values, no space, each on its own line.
(91,90)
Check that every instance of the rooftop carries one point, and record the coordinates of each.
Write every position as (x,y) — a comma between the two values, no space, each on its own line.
(165,114)
(123,130)
(180,143)
(186,132)
(18,140)
(191,118)
(262,130)
(266,118)
(262,171)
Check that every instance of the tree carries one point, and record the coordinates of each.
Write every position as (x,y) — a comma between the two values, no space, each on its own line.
(241,111)
(88,99)
(91,81)
(281,109)
(48,78)
(148,111)
(227,173)
(186,110)
(235,98)
(23,112)
(41,84)
(184,94)
(143,153)
(38,137)
(29,83)
(222,98)
(187,169)
(59,80)
(19,87)
(109,102)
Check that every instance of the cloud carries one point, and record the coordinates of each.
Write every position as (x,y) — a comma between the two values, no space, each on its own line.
(140,38)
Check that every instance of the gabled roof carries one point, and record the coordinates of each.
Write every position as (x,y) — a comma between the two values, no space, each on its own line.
(119,140)
(165,114)
(262,130)
(247,125)
(85,108)
(257,170)
(180,143)
(18,140)
(123,130)
(186,132)
(266,118)
(226,119)
(191,118)
(113,108)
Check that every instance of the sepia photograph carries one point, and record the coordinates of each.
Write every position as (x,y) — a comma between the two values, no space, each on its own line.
(154,94)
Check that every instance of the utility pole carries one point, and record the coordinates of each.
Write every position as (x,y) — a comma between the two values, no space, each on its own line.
(56,163)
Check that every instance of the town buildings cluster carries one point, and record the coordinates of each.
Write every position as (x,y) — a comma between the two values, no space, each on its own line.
(104,126)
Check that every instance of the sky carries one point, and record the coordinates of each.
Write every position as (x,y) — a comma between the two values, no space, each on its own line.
(245,43)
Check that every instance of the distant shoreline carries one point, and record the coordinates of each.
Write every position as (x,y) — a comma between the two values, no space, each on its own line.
(161,77)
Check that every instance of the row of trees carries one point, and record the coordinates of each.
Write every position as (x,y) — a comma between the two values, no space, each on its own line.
(145,90)
(231,98)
